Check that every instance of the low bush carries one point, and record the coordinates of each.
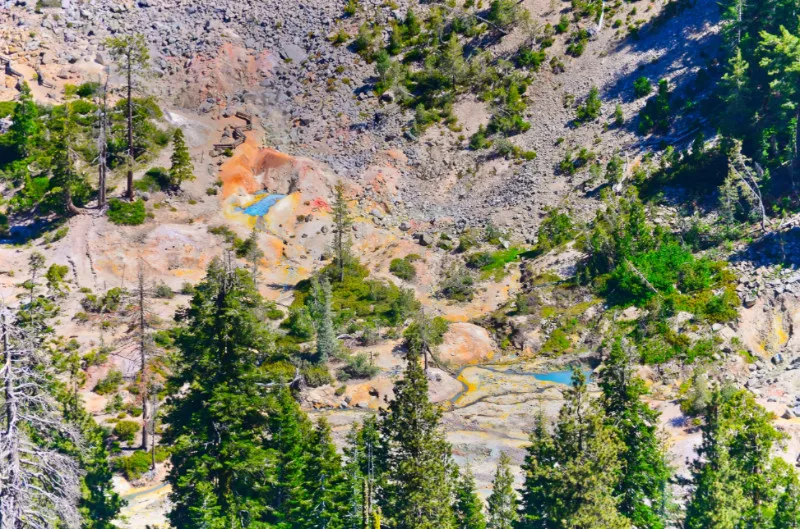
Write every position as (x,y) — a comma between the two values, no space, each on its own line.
(110,384)
(125,430)
(126,213)
(403,269)
(358,366)
(316,375)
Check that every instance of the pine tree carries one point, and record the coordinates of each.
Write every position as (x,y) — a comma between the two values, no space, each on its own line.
(645,472)
(291,430)
(341,237)
(363,469)
(181,169)
(737,481)
(133,58)
(570,474)
(322,313)
(503,500)
(468,507)
(220,466)
(417,492)
(24,124)
(324,504)
(787,512)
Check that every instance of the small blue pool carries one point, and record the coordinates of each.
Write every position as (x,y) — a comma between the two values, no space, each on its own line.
(262,207)
(560,377)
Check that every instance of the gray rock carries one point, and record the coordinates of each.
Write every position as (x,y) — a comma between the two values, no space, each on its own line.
(425,239)
(404,226)
(378,214)
(293,52)
(777,359)
(749,300)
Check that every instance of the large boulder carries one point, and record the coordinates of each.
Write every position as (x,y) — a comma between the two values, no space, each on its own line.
(465,344)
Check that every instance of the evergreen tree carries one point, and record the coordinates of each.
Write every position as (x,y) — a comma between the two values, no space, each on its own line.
(737,481)
(181,169)
(322,313)
(645,472)
(341,237)
(220,467)
(417,492)
(133,59)
(570,474)
(468,507)
(503,500)
(24,124)
(787,512)
(324,502)
(363,469)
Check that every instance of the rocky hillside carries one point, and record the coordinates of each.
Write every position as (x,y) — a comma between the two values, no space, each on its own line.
(275,108)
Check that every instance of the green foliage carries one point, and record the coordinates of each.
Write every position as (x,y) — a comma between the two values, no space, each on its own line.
(181,169)
(590,109)
(110,384)
(556,229)
(163,291)
(415,457)
(155,179)
(642,87)
(468,507)
(736,479)
(109,302)
(643,487)
(138,463)
(571,473)
(351,8)
(358,365)
(656,113)
(504,13)
(227,361)
(403,268)
(316,375)
(126,213)
(457,283)
(478,140)
(502,502)
(359,298)
(563,25)
(126,430)
(528,58)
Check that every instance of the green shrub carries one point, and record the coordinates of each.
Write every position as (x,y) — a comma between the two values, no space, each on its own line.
(358,366)
(316,375)
(527,58)
(642,87)
(163,291)
(478,140)
(87,89)
(557,343)
(155,179)
(457,284)
(656,113)
(479,259)
(555,230)
(126,213)
(187,289)
(563,24)
(138,463)
(110,384)
(403,269)
(590,109)
(126,430)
